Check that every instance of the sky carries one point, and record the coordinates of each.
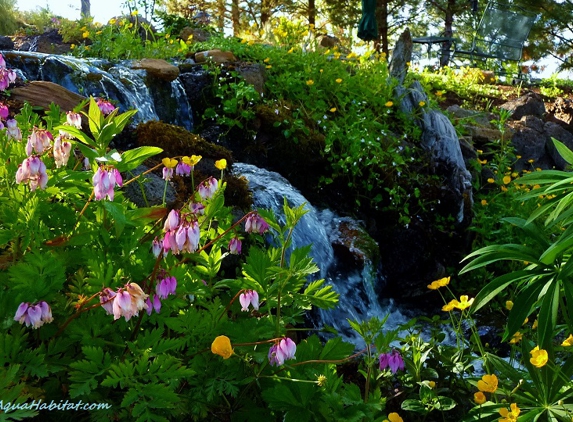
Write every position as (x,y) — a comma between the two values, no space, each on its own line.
(101,10)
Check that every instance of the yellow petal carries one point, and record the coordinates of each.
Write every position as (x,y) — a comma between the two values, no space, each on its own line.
(222,346)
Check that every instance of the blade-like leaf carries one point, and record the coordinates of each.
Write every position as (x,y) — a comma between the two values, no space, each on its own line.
(497,285)
(563,151)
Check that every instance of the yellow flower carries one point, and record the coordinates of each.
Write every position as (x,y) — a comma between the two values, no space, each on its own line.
(72,46)
(509,305)
(439,283)
(351,55)
(488,383)
(251,42)
(516,338)
(464,302)
(192,161)
(321,70)
(531,160)
(389,104)
(333,109)
(479,397)
(291,50)
(169,162)
(491,180)
(221,164)
(134,13)
(439,93)
(432,384)
(269,66)
(268,59)
(539,357)
(568,342)
(482,162)
(509,415)
(244,41)
(479,151)
(327,51)
(422,103)
(112,21)
(86,34)
(394,417)
(484,202)
(534,326)
(450,306)
(222,346)
(503,188)
(310,82)
(339,80)
(506,179)
(321,381)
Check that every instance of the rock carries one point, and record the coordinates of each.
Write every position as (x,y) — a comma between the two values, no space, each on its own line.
(158,68)
(329,41)
(6,43)
(253,74)
(50,42)
(561,112)
(215,56)
(477,117)
(153,187)
(194,34)
(553,130)
(529,142)
(401,56)
(42,94)
(530,104)
(197,83)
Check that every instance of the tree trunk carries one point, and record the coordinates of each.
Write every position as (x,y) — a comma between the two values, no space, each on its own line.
(235,16)
(221,15)
(448,32)
(85,9)
(311,12)
(382,20)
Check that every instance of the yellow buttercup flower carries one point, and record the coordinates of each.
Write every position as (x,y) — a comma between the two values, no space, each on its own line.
(291,50)
(509,305)
(310,82)
(509,415)
(192,161)
(479,397)
(333,109)
(268,59)
(516,338)
(503,188)
(222,346)
(435,285)
(491,180)
(112,21)
(86,34)
(488,383)
(422,103)
(389,104)
(506,179)
(539,357)
(568,342)
(339,80)
(221,164)
(321,381)
(394,417)
(464,302)
(169,162)
(484,202)
(432,384)
(135,13)
(534,326)
(482,162)
(450,306)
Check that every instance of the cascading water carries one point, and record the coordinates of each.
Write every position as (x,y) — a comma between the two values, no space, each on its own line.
(129,88)
(358,299)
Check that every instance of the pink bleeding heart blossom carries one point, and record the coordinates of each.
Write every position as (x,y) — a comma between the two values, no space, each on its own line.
(166,286)
(235,246)
(208,187)
(105,106)
(104,182)
(4,111)
(32,171)
(34,315)
(249,297)
(128,301)
(153,305)
(281,351)
(182,169)
(62,151)
(256,224)
(12,130)
(74,119)
(392,360)
(39,140)
(106,297)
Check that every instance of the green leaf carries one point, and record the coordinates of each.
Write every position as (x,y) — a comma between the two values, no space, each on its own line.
(413,405)
(132,158)
(563,151)
(523,305)
(336,349)
(547,318)
(496,286)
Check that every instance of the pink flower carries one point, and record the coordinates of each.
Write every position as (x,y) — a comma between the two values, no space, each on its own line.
(393,360)
(34,315)
(235,246)
(129,301)
(39,141)
(74,119)
(187,237)
(249,297)
(208,187)
(106,297)
(166,287)
(104,182)
(182,169)
(153,305)
(105,106)
(256,224)
(282,351)
(7,76)
(32,171)
(197,208)
(156,247)
(167,173)
(61,152)
(12,130)
(172,221)
(4,111)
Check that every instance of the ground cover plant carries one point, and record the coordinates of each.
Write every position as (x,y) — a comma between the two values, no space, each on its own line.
(166,314)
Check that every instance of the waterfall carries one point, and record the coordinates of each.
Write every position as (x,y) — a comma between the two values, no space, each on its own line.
(128,88)
(358,298)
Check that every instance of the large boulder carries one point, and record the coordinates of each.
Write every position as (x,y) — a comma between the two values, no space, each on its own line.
(43,93)
(530,104)
(158,68)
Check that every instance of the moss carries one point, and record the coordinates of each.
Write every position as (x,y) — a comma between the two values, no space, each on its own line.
(176,142)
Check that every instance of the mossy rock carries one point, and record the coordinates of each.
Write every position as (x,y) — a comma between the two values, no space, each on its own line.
(177,142)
